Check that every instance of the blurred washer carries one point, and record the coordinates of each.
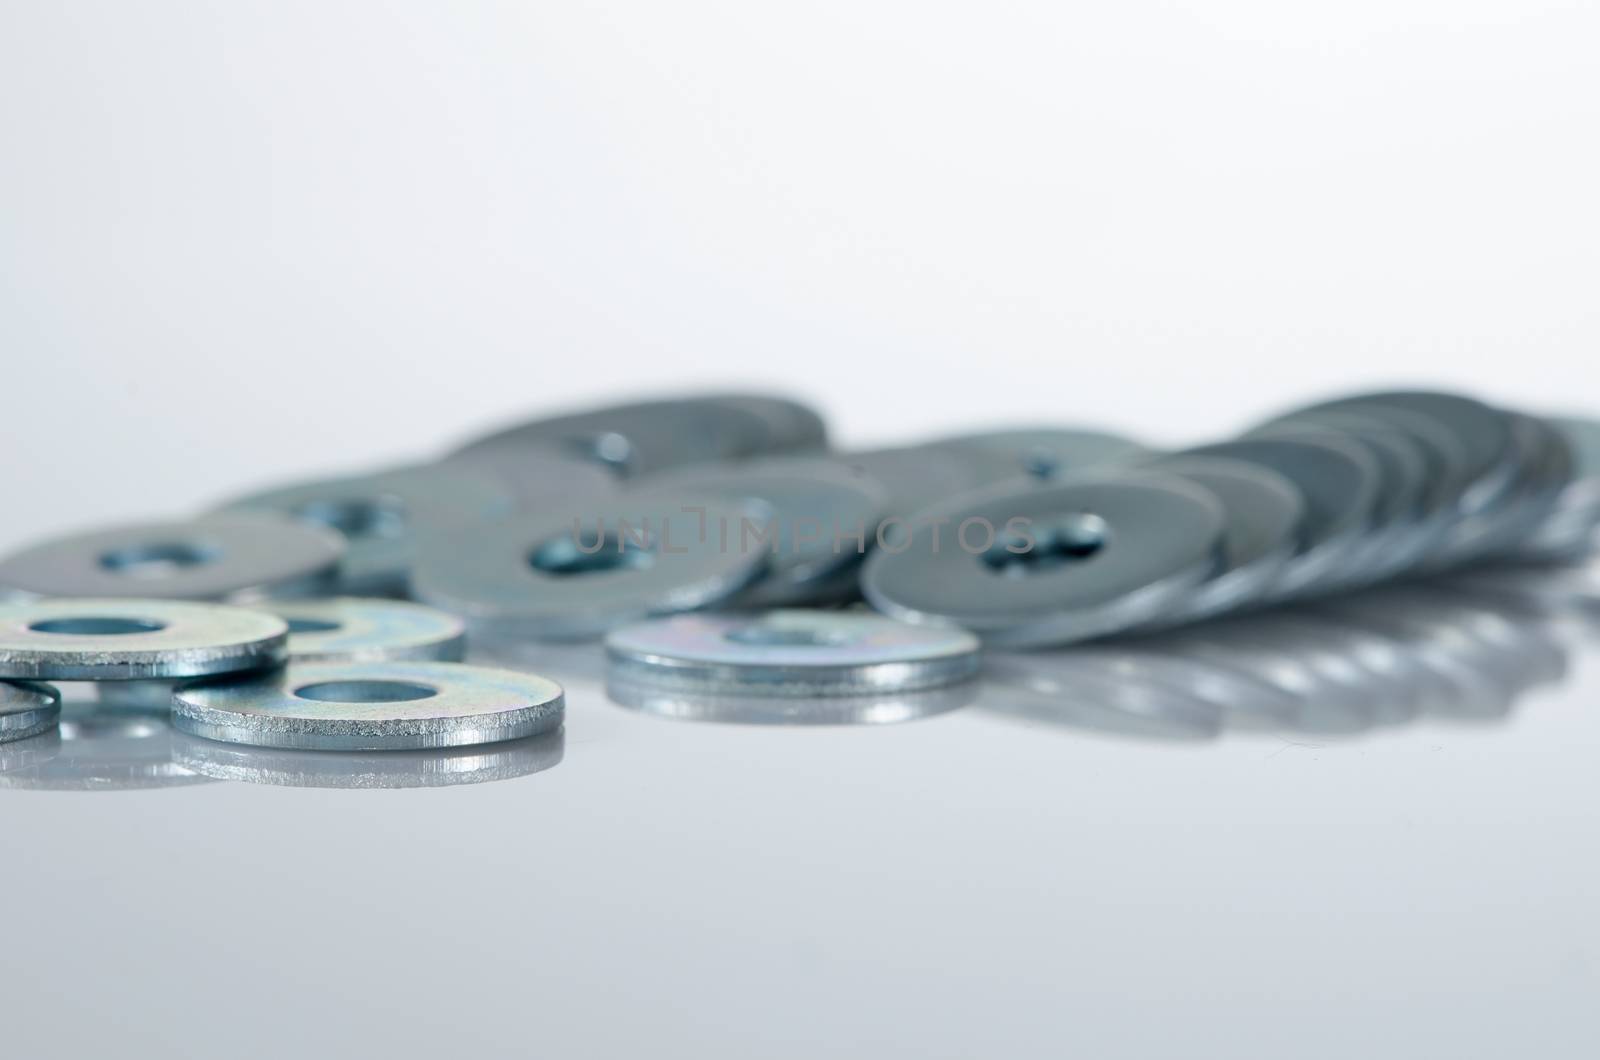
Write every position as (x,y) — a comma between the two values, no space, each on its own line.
(387,706)
(640,437)
(351,629)
(820,517)
(383,516)
(1339,481)
(792,653)
(918,477)
(27,709)
(1040,452)
(574,577)
(233,556)
(129,640)
(1054,564)
(791,426)
(1264,516)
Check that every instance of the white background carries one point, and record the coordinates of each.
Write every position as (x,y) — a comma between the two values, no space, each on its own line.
(247,241)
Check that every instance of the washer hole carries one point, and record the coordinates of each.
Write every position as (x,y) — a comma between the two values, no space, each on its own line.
(596,553)
(365,692)
(358,518)
(97,626)
(312,625)
(161,559)
(1063,543)
(604,447)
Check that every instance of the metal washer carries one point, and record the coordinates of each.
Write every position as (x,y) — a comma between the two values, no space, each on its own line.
(382,516)
(1265,513)
(387,706)
(791,653)
(234,557)
(822,518)
(352,629)
(533,578)
(1107,554)
(1045,453)
(27,710)
(132,640)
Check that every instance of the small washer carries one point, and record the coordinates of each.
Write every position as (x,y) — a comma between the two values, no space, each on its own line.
(821,517)
(350,629)
(383,516)
(131,640)
(1053,564)
(234,557)
(387,706)
(1339,481)
(575,577)
(1265,512)
(1040,452)
(27,710)
(791,653)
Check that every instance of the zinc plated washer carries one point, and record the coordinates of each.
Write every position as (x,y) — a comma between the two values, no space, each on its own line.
(574,577)
(822,519)
(351,629)
(1065,562)
(1264,513)
(1339,481)
(791,653)
(387,706)
(383,516)
(132,640)
(232,557)
(1041,452)
(27,709)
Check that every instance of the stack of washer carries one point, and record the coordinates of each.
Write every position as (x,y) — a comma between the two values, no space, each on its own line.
(721,547)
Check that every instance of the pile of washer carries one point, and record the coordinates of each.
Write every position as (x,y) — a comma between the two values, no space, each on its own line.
(277,619)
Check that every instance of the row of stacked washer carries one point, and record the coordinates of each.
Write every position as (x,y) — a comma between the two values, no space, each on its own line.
(588,524)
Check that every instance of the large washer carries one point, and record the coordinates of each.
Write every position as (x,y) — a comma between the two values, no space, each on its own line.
(793,652)
(1054,564)
(388,706)
(131,640)
(234,557)
(385,515)
(575,577)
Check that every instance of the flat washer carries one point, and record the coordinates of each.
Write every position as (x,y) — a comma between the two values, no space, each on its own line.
(1265,513)
(351,629)
(1568,531)
(575,577)
(132,640)
(233,557)
(916,478)
(27,709)
(382,516)
(1339,481)
(1055,563)
(387,706)
(1045,453)
(791,426)
(883,708)
(791,653)
(822,517)
(536,478)
(640,437)
(370,770)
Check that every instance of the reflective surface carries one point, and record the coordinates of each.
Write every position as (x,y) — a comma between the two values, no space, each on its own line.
(1360,829)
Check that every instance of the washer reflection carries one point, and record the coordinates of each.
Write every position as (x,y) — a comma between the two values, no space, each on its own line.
(481,764)
(100,748)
